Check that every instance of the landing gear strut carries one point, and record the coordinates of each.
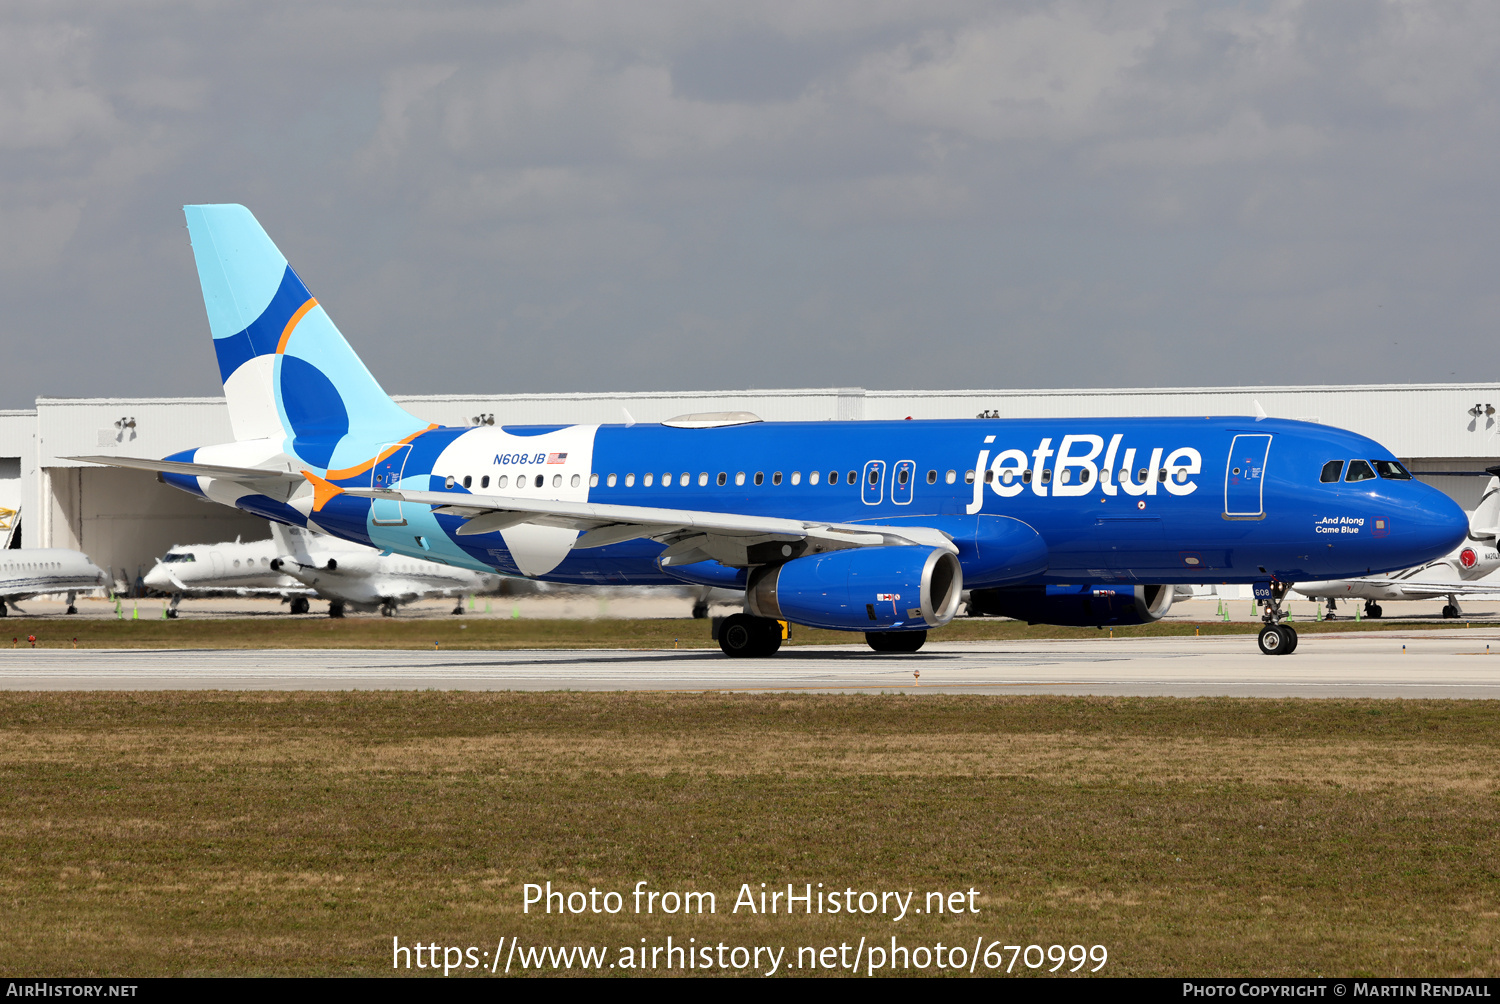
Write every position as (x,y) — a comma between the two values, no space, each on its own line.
(72,595)
(172,607)
(1277,638)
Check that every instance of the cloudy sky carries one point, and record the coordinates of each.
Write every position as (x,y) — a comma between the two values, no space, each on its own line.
(496,197)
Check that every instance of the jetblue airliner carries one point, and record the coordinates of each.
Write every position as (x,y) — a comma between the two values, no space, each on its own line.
(873,527)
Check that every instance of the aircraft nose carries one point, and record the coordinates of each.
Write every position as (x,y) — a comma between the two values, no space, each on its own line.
(1440,525)
(156,578)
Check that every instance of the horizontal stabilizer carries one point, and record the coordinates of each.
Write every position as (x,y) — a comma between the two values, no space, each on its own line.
(192,470)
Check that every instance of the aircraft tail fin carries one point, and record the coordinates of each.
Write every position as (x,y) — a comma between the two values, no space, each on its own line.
(288,373)
(1485,520)
(292,541)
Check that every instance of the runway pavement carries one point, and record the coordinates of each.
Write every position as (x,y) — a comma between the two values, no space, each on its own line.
(1442,663)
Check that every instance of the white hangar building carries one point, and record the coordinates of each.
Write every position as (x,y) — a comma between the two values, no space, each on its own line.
(124,519)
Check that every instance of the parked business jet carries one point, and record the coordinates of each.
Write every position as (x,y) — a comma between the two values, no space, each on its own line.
(873,527)
(28,572)
(297,565)
(1453,575)
(348,574)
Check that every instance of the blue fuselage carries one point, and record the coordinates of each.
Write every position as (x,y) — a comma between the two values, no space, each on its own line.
(1167,500)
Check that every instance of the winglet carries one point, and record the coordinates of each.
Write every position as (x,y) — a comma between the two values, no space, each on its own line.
(1260,413)
(323,491)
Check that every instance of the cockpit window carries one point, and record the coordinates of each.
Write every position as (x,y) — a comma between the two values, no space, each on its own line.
(179,556)
(1331,471)
(1359,471)
(1391,470)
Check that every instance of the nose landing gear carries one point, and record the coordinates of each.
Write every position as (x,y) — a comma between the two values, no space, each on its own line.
(1277,638)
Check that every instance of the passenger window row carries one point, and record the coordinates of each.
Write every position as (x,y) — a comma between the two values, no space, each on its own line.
(522,480)
(759,478)
(1009,475)
(1361,470)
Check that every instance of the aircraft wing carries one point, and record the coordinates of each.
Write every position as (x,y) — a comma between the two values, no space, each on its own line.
(691,535)
(1433,588)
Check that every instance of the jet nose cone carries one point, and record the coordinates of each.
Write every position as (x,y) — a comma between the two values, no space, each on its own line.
(1439,525)
(155,579)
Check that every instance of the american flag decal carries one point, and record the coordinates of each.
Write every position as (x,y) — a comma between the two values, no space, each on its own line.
(557,458)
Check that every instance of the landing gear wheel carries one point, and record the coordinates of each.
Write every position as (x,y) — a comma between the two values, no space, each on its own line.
(387,609)
(1274,641)
(895,641)
(336,608)
(744,637)
(700,610)
(1450,612)
(299,605)
(1289,633)
(72,609)
(171,614)
(1373,610)
(4,609)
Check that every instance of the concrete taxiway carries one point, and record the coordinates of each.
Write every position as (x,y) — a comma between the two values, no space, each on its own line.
(1427,664)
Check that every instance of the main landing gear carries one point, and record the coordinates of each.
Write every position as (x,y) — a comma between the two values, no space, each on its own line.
(744,637)
(1452,611)
(1372,609)
(1277,638)
(299,605)
(895,641)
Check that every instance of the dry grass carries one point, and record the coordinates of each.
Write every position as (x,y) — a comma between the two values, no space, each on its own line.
(160,833)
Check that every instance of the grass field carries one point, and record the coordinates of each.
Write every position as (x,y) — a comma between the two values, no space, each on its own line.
(163,833)
(485,633)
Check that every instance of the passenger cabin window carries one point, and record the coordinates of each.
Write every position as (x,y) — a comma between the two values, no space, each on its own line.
(702,479)
(610,481)
(1392,471)
(593,481)
(932,477)
(854,477)
(951,477)
(968,477)
(1332,471)
(739,477)
(504,480)
(646,481)
(796,477)
(468,480)
(901,476)
(833,477)
(1359,471)
(760,478)
(484,482)
(630,481)
(776,478)
(723,479)
(812,478)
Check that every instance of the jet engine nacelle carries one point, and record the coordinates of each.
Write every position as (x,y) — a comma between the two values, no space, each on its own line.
(864,589)
(1075,606)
